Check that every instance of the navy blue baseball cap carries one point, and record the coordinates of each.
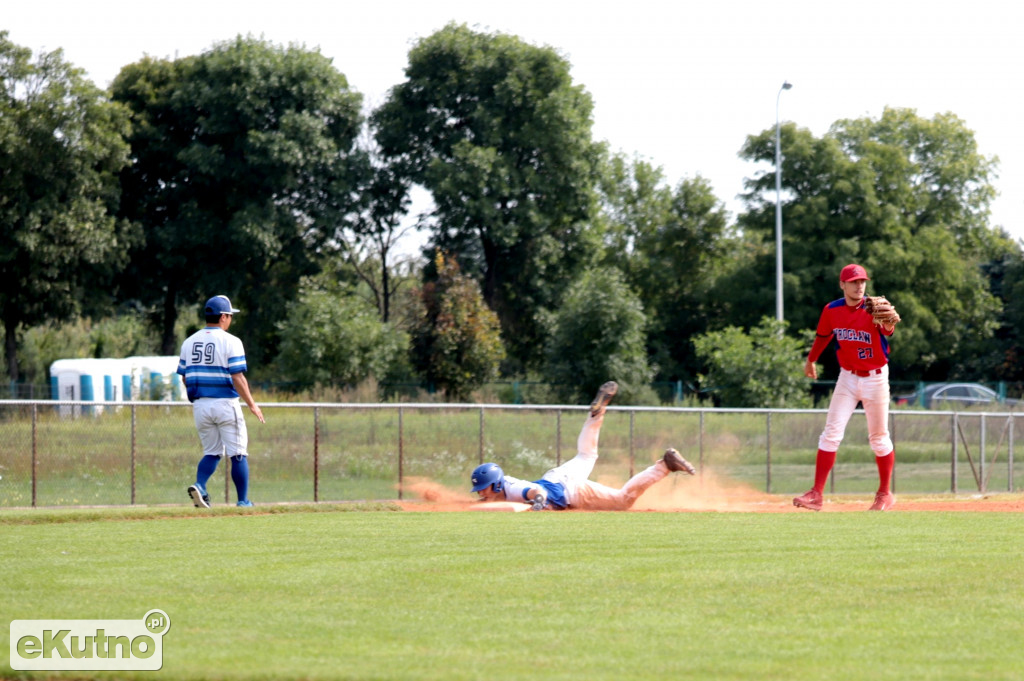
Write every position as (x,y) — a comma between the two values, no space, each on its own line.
(219,305)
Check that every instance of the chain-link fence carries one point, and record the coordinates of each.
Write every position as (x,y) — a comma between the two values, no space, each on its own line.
(92,453)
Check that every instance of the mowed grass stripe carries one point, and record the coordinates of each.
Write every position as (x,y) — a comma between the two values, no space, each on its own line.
(385,595)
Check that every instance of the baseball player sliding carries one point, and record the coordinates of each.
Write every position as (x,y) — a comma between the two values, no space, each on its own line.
(568,485)
(863,353)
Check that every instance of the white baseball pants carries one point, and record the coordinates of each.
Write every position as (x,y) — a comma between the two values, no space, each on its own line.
(221,426)
(584,494)
(873,392)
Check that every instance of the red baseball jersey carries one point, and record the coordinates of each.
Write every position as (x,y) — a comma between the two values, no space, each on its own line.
(861,345)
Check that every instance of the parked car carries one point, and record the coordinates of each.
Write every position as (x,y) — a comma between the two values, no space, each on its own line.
(954,396)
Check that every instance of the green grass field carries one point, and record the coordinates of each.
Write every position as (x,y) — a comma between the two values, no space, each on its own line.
(320,593)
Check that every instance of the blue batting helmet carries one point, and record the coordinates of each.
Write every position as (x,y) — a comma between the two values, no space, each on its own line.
(488,475)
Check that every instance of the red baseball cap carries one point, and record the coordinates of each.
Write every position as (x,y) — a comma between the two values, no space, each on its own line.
(853,272)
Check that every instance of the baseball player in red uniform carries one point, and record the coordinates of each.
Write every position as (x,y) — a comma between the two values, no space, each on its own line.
(863,354)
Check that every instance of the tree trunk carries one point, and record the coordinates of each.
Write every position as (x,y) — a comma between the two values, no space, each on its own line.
(385,287)
(11,346)
(490,274)
(168,343)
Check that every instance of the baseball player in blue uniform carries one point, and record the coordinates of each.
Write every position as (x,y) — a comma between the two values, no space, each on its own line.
(212,367)
(568,486)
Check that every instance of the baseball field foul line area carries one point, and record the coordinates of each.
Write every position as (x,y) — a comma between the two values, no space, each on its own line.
(365,591)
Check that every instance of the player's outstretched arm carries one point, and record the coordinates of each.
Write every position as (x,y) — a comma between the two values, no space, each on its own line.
(242,388)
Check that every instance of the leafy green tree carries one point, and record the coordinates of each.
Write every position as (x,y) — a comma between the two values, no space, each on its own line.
(335,338)
(761,368)
(904,196)
(496,131)
(244,165)
(1004,360)
(61,147)
(368,245)
(124,334)
(456,342)
(597,335)
(672,244)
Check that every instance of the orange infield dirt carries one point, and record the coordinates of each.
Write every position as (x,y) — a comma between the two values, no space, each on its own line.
(705,493)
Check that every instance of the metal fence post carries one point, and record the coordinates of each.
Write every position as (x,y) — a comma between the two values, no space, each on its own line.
(480,444)
(768,452)
(892,434)
(316,454)
(558,438)
(134,451)
(401,450)
(981,463)
(1009,457)
(632,452)
(700,442)
(954,422)
(35,456)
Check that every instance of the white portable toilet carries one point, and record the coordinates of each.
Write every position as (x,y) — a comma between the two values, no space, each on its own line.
(66,384)
(88,379)
(156,378)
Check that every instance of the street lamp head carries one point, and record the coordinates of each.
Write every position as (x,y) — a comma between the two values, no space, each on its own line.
(786,85)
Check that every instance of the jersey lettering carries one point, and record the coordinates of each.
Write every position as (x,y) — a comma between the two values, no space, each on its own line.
(860,344)
(854,335)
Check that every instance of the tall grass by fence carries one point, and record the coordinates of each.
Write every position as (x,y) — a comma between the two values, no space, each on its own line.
(92,453)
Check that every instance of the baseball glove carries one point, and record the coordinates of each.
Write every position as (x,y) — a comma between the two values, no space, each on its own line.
(881,310)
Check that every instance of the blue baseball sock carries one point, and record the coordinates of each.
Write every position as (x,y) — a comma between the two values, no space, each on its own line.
(207,465)
(240,476)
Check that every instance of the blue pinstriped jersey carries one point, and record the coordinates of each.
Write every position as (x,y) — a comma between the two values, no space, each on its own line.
(208,359)
(516,489)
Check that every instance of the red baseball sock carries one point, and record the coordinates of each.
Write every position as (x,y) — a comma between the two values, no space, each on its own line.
(885,466)
(822,467)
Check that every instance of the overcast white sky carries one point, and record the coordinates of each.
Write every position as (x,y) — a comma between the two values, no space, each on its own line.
(679,84)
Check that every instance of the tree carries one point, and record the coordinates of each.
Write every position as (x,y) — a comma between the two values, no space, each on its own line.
(457,341)
(497,132)
(672,245)
(597,335)
(61,147)
(1001,360)
(761,368)
(334,338)
(244,166)
(368,244)
(904,196)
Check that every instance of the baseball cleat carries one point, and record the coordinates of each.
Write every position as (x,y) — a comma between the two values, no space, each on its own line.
(199,496)
(245,503)
(883,502)
(811,500)
(603,397)
(676,463)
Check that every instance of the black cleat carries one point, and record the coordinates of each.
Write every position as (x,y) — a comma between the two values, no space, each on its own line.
(603,398)
(199,496)
(676,463)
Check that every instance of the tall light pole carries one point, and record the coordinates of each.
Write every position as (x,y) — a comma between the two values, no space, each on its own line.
(778,207)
